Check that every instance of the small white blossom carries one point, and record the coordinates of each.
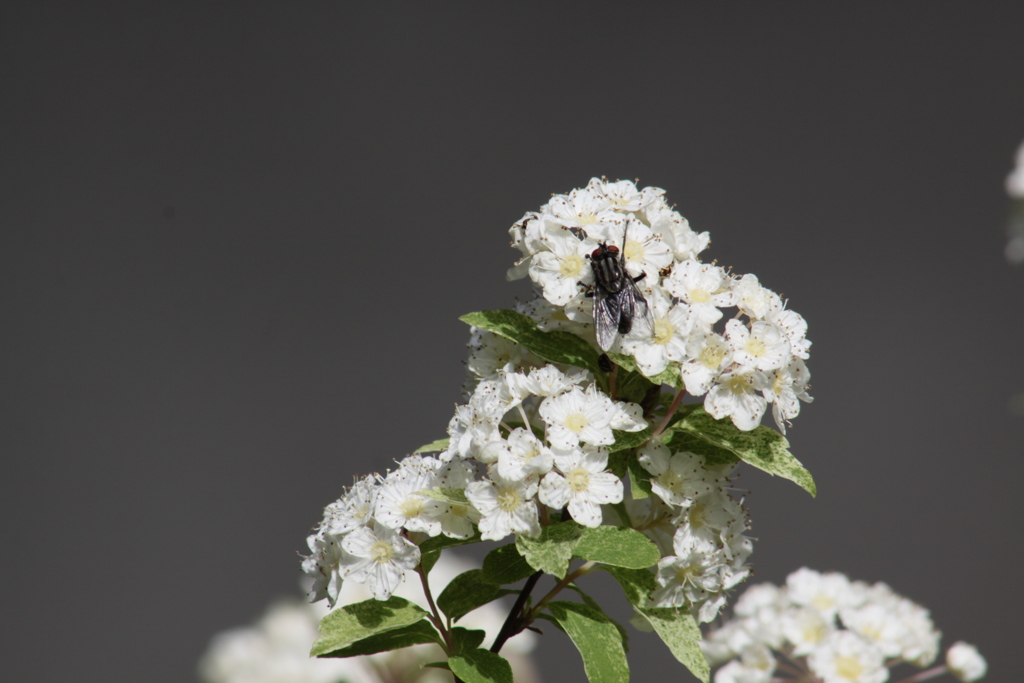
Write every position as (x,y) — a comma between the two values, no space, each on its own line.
(735,396)
(705,287)
(581,484)
(577,416)
(845,657)
(506,506)
(762,346)
(965,662)
(379,557)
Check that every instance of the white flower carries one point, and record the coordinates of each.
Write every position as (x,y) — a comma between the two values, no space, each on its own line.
(490,353)
(623,195)
(644,251)
(754,300)
(965,662)
(763,346)
(457,519)
(1015,181)
(581,484)
(787,387)
(588,210)
(709,354)
(676,479)
(399,505)
(735,396)
(735,672)
(560,270)
(353,509)
(825,592)
(324,567)
(577,416)
(845,657)
(506,506)
(806,628)
(676,232)
(704,286)
(523,455)
(666,341)
(690,577)
(379,557)
(795,328)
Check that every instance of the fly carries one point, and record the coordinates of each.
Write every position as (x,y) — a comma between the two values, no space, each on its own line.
(618,302)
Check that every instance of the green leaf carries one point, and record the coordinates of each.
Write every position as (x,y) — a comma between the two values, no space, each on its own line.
(429,559)
(555,347)
(504,564)
(589,601)
(358,621)
(597,639)
(481,666)
(639,480)
(466,592)
(445,495)
(669,376)
(632,386)
(442,542)
(467,639)
(617,463)
(551,552)
(677,629)
(627,440)
(618,546)
(678,439)
(396,638)
(762,447)
(433,446)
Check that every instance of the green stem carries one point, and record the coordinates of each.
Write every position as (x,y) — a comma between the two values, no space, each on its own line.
(584,569)
(435,615)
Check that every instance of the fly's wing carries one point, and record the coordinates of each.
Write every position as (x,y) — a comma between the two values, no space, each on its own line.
(606,318)
(636,320)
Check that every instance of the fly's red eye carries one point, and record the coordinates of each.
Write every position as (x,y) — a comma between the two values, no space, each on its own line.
(596,252)
(613,249)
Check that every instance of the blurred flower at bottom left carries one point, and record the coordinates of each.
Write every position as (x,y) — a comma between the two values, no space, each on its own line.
(276,647)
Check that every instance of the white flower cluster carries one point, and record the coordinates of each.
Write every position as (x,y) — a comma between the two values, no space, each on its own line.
(1015,188)
(754,358)
(276,648)
(827,628)
(525,445)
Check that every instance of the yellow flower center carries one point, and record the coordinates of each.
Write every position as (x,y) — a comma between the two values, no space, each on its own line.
(738,385)
(823,602)
(586,218)
(849,668)
(634,250)
(697,519)
(672,481)
(755,347)
(662,332)
(571,266)
(699,296)
(381,552)
(530,454)
(508,500)
(412,507)
(814,634)
(458,509)
(711,356)
(684,574)
(575,423)
(778,385)
(579,480)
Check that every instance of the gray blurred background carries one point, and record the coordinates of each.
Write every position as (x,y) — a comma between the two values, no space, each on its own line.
(236,238)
